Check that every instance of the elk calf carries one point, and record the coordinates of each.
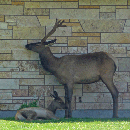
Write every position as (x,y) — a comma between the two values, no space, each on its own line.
(71,69)
(34,113)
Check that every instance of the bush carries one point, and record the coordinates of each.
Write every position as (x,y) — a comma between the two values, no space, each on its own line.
(32,104)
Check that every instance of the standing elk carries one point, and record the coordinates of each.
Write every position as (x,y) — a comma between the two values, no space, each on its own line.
(71,69)
(34,113)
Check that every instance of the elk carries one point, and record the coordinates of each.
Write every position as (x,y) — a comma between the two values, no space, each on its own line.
(71,69)
(34,113)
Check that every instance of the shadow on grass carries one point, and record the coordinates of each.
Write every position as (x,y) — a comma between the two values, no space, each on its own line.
(71,120)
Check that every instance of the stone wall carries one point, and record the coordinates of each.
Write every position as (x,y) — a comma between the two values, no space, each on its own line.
(92,26)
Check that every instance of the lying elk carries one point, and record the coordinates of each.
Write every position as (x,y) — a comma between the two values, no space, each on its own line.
(71,69)
(33,113)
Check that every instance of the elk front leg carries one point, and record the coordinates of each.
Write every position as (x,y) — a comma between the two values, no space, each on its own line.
(66,100)
(70,93)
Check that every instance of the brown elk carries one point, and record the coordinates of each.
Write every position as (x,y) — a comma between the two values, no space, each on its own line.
(71,69)
(34,113)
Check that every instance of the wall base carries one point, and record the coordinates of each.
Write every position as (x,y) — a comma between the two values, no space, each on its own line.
(79,113)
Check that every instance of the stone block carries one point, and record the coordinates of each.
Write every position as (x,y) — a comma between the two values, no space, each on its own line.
(10,106)
(94,106)
(23,87)
(77,41)
(85,34)
(97,48)
(119,55)
(77,29)
(108,2)
(107,15)
(46,22)
(102,25)
(27,75)
(126,30)
(124,64)
(17,3)
(20,93)
(84,2)
(5,75)
(125,96)
(123,106)
(27,21)
(97,97)
(127,24)
(107,9)
(28,65)
(51,80)
(121,86)
(51,4)
(122,13)
(77,50)
(74,13)
(69,4)
(9,83)
(24,55)
(9,69)
(115,38)
(31,82)
(1,18)
(55,49)
(11,10)
(5,101)
(62,31)
(77,92)
(12,24)
(7,64)
(95,87)
(25,98)
(117,50)
(122,7)
(121,77)
(5,51)
(89,7)
(31,11)
(93,39)
(61,40)
(5,2)
(43,5)
(28,32)
(5,34)
(5,57)
(3,25)
(128,88)
(13,44)
(64,50)
(6,96)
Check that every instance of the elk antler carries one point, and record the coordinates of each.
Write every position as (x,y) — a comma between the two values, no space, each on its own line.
(57,24)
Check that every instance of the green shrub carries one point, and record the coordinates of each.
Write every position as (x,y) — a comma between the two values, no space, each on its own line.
(31,104)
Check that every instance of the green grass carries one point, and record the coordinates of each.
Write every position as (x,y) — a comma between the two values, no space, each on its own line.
(66,124)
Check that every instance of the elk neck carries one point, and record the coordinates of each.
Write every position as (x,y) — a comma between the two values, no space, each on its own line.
(48,60)
(52,108)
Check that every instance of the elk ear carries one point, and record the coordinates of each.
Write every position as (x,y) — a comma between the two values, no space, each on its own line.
(55,96)
(49,43)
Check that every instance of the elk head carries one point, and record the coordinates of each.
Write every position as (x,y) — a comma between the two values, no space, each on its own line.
(40,46)
(57,103)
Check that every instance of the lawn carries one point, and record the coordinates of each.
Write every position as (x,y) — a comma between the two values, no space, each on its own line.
(66,124)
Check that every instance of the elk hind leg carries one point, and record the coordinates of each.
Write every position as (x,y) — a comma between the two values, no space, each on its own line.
(108,81)
(29,115)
